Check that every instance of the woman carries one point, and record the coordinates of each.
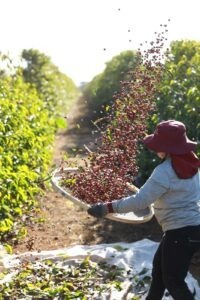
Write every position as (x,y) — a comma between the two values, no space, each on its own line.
(174,190)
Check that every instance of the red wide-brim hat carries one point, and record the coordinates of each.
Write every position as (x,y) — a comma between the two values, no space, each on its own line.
(170,137)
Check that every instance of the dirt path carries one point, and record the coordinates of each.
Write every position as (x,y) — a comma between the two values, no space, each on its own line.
(66,224)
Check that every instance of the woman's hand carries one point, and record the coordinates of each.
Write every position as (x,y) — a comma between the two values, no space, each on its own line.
(99,210)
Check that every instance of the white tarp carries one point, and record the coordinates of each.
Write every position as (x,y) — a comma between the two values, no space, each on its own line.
(134,257)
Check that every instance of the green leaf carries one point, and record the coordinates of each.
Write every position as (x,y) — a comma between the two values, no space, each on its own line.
(61,123)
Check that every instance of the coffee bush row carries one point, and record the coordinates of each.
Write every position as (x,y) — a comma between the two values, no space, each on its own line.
(27,131)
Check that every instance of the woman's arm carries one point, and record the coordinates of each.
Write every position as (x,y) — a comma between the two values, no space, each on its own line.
(153,189)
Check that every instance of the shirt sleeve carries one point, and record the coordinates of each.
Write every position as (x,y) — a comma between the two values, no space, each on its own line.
(153,189)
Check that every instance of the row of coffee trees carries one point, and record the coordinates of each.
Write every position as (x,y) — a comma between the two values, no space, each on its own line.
(177,97)
(32,94)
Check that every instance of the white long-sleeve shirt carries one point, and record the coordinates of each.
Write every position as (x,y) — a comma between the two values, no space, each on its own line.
(176,201)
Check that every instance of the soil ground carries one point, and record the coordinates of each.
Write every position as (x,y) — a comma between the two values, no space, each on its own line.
(66,224)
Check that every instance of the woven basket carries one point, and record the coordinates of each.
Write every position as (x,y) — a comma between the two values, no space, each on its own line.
(141,216)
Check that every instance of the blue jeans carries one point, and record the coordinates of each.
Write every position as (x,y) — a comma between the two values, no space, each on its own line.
(171,263)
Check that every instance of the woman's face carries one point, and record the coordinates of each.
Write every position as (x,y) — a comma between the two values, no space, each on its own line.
(162,155)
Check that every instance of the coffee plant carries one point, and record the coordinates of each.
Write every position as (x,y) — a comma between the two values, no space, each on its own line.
(27,130)
(114,163)
(178,97)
